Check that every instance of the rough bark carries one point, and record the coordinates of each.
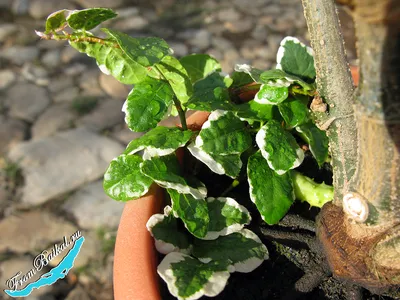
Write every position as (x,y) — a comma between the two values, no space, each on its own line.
(367,253)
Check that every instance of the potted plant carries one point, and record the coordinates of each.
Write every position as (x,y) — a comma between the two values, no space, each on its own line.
(263,127)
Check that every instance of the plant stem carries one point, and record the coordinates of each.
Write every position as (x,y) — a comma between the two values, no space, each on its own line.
(335,86)
(234,184)
(181,111)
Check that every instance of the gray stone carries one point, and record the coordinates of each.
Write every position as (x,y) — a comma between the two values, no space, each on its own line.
(89,83)
(107,114)
(5,3)
(131,23)
(113,87)
(74,69)
(200,39)
(52,58)
(35,74)
(6,30)
(32,231)
(26,101)
(20,7)
(23,264)
(78,293)
(180,49)
(228,14)
(221,43)
(58,84)
(66,95)
(101,3)
(125,135)
(40,9)
(57,117)
(239,27)
(92,208)
(61,163)
(12,131)
(127,12)
(7,77)
(19,54)
(68,54)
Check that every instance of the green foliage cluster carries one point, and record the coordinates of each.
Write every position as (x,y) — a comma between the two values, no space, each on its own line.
(258,120)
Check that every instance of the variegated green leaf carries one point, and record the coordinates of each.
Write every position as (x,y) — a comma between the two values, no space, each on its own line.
(226,216)
(165,171)
(223,134)
(254,73)
(189,279)
(193,212)
(271,95)
(277,77)
(210,93)
(272,193)
(229,165)
(159,141)
(252,111)
(146,51)
(167,234)
(295,58)
(123,180)
(87,19)
(147,104)
(294,112)
(279,147)
(199,66)
(243,249)
(317,140)
(56,21)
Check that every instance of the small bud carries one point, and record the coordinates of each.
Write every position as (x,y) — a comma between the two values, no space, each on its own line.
(356,207)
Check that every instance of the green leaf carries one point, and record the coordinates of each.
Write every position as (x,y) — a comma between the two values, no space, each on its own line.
(147,104)
(253,111)
(226,216)
(306,189)
(111,59)
(229,165)
(159,141)
(271,94)
(317,140)
(272,193)
(223,134)
(165,171)
(240,79)
(252,72)
(210,93)
(146,51)
(279,147)
(56,21)
(188,278)
(87,19)
(167,233)
(123,180)
(199,66)
(243,249)
(177,76)
(193,212)
(277,77)
(295,58)
(294,112)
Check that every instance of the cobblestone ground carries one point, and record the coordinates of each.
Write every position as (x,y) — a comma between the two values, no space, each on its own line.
(61,121)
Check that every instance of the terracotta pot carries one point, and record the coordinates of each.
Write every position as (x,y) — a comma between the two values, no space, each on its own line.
(135,258)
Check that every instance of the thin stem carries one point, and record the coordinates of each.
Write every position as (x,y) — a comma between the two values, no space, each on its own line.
(234,184)
(181,111)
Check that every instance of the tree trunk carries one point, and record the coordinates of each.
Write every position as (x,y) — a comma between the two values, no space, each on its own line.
(360,231)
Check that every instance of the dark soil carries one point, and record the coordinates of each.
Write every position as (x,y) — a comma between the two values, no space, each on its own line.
(296,261)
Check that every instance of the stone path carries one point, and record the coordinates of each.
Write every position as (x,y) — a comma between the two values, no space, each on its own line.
(61,121)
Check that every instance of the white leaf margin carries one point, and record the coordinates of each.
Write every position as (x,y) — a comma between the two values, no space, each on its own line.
(281,49)
(215,285)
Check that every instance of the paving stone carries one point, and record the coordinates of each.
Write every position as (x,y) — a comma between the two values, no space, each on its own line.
(26,101)
(55,165)
(113,87)
(7,77)
(92,208)
(107,114)
(56,118)
(32,231)
(12,131)
(20,54)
